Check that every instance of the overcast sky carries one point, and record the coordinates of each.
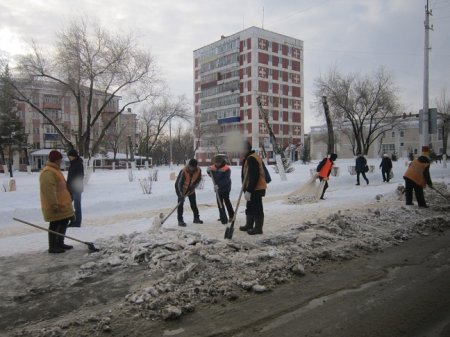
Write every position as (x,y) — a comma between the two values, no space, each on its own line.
(352,35)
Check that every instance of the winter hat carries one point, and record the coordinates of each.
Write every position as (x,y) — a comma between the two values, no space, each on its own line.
(425,151)
(54,156)
(333,156)
(220,159)
(385,155)
(72,153)
(193,162)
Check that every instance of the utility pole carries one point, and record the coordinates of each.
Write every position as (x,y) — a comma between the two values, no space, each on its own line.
(425,135)
(170,142)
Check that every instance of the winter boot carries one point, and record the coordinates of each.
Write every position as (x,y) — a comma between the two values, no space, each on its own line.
(197,220)
(52,244)
(62,230)
(259,222)
(181,223)
(248,224)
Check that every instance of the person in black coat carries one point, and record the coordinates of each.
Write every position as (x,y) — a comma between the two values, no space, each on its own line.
(386,167)
(361,168)
(254,185)
(221,175)
(75,184)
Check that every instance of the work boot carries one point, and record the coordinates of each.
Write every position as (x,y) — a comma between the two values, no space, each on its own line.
(52,244)
(197,220)
(248,224)
(181,223)
(60,239)
(259,222)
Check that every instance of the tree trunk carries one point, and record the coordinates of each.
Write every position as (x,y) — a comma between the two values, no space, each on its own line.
(10,161)
(330,147)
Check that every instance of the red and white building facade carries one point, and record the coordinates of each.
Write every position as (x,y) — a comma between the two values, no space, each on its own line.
(230,74)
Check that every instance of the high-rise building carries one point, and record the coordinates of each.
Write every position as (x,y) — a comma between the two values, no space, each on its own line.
(230,74)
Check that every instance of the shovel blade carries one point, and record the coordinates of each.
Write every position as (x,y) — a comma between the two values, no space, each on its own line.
(91,247)
(229,233)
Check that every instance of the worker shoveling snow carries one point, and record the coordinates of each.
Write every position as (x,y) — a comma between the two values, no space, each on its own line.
(309,192)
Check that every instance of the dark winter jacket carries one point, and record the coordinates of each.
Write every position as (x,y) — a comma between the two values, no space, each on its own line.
(75,176)
(253,174)
(386,164)
(360,164)
(222,177)
(187,181)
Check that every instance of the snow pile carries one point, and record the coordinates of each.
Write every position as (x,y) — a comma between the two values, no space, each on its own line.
(187,269)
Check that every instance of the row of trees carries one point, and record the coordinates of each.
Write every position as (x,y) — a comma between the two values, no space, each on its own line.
(365,106)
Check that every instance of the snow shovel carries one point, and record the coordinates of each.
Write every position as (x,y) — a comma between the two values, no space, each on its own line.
(440,193)
(230,229)
(90,245)
(171,212)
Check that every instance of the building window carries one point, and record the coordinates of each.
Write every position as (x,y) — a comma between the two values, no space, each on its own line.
(402,144)
(388,148)
(270,59)
(402,133)
(439,134)
(393,134)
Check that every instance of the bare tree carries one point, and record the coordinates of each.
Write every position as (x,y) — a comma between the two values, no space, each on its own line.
(95,67)
(154,118)
(443,107)
(365,104)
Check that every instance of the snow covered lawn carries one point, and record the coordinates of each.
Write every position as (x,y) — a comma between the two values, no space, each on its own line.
(112,205)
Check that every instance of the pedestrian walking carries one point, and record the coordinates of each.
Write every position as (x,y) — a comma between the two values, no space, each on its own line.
(56,202)
(386,168)
(220,172)
(187,181)
(254,186)
(361,168)
(417,177)
(324,170)
(75,184)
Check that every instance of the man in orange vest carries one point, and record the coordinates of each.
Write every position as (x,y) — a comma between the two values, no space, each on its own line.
(56,202)
(188,180)
(324,170)
(254,180)
(417,177)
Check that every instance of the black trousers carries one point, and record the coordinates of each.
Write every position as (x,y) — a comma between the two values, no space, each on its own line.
(364,176)
(224,197)
(324,187)
(59,226)
(386,173)
(411,186)
(193,203)
(254,207)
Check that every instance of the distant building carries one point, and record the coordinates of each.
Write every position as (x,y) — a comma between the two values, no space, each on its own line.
(230,74)
(402,140)
(61,107)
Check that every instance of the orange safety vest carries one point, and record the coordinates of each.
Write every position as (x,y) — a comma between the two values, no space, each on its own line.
(60,195)
(326,168)
(261,184)
(188,178)
(415,172)
(223,169)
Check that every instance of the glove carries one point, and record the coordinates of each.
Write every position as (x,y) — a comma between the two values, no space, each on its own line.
(181,198)
(216,188)
(248,196)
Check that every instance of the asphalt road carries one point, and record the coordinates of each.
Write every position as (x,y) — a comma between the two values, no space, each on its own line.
(403,291)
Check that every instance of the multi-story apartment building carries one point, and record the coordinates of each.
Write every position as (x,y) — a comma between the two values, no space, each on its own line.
(401,139)
(230,74)
(61,107)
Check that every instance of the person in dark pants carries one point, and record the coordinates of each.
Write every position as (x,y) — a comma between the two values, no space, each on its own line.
(75,178)
(188,180)
(56,202)
(361,168)
(386,167)
(221,174)
(324,170)
(417,177)
(254,185)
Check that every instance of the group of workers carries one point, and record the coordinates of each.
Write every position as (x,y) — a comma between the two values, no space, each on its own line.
(57,194)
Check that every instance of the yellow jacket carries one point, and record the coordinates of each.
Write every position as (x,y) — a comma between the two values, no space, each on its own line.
(56,202)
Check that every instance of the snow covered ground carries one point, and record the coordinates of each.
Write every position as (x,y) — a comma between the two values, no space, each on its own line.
(112,205)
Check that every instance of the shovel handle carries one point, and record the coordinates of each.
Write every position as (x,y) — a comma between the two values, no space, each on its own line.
(47,230)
